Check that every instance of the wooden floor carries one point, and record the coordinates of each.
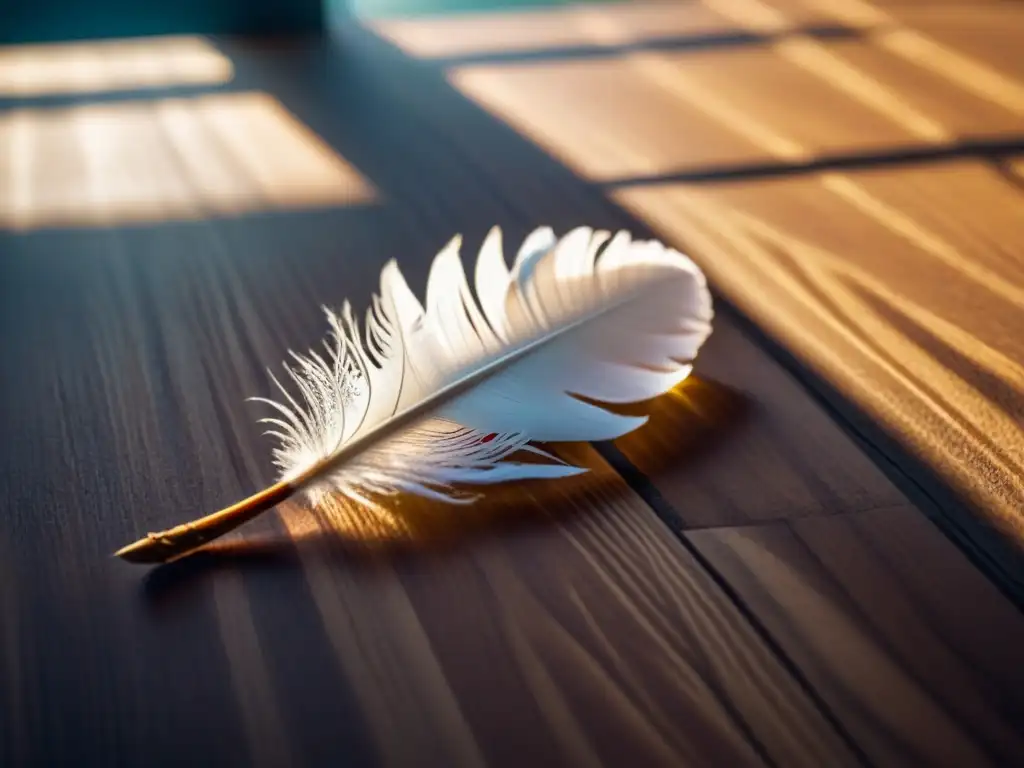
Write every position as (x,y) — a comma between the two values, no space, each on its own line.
(809,557)
(848,174)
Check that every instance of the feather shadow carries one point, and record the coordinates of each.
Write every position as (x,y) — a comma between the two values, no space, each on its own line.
(687,424)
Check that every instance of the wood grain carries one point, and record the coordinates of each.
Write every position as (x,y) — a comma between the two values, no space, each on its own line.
(742,416)
(898,286)
(953,112)
(663,113)
(917,653)
(209,162)
(571,628)
(599,635)
(558,624)
(546,29)
(569,596)
(790,134)
(110,65)
(899,294)
(794,99)
(986,33)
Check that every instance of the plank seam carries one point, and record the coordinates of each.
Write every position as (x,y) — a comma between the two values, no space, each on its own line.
(985,548)
(647,491)
(965,149)
(711,41)
(776,520)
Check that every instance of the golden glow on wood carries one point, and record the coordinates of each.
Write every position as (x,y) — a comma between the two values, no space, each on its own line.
(895,289)
(888,307)
(539,29)
(110,65)
(166,159)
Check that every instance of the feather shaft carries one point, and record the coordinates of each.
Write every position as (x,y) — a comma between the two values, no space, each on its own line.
(174,543)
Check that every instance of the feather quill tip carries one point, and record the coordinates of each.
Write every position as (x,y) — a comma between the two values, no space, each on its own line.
(139,551)
(150,550)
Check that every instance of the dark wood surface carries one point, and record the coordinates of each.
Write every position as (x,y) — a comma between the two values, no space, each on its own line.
(745,581)
(858,601)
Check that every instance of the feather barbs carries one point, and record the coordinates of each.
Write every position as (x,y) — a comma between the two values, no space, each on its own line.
(406,350)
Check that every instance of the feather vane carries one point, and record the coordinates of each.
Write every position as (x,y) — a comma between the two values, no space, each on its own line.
(406,351)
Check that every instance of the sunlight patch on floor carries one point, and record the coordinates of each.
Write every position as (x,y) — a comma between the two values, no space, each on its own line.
(166,159)
(540,29)
(110,65)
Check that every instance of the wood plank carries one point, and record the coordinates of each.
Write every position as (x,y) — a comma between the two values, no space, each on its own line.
(152,160)
(917,653)
(986,32)
(898,293)
(961,113)
(546,29)
(851,259)
(91,654)
(110,65)
(560,106)
(672,112)
(567,595)
(741,443)
(559,28)
(972,45)
(793,99)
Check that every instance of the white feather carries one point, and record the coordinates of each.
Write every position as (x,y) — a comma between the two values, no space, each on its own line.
(645,312)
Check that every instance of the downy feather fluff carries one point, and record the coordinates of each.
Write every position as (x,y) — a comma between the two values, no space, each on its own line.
(646,312)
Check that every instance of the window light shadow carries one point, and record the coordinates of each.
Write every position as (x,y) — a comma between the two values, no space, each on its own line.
(538,30)
(465,34)
(165,159)
(110,65)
